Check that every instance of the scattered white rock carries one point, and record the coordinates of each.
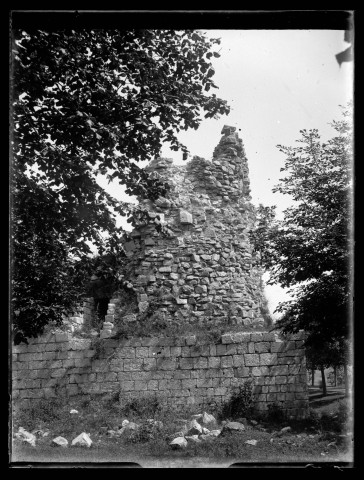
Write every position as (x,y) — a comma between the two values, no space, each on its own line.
(28,437)
(180,433)
(205,431)
(131,426)
(194,428)
(83,440)
(124,423)
(178,443)
(60,442)
(207,437)
(253,422)
(154,423)
(73,411)
(286,429)
(215,433)
(252,442)
(197,416)
(233,427)
(207,419)
(193,438)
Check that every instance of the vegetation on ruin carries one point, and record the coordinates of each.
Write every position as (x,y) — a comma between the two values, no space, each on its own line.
(89,103)
(311,249)
(321,437)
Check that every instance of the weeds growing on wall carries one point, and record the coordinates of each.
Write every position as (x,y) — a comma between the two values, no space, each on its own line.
(275,413)
(241,402)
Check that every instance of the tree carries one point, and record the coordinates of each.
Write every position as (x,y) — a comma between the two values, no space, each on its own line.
(310,250)
(88,103)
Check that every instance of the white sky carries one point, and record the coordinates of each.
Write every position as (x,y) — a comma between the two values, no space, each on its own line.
(277,83)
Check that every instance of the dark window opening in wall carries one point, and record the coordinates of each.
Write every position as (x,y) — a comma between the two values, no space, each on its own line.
(101,305)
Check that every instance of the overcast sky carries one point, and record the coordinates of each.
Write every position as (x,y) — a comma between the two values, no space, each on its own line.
(277,82)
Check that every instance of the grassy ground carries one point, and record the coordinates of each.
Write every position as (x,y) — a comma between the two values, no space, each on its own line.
(325,436)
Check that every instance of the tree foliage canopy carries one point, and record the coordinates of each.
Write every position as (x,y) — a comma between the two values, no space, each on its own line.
(86,103)
(311,248)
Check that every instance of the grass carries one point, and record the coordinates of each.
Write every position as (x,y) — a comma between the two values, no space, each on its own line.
(318,438)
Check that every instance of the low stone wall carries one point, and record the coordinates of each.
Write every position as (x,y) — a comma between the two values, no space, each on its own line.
(179,370)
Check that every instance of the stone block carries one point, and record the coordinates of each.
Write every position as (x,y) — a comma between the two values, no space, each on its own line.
(27,357)
(186,363)
(185,217)
(276,347)
(143,306)
(131,364)
(140,385)
(31,393)
(268,358)
(149,242)
(191,340)
(241,372)
(242,348)
(281,379)
(272,397)
(252,360)
(274,388)
(152,385)
(262,347)
(256,337)
(231,349)
(181,301)
(141,352)
(148,341)
(58,372)
(182,374)
(200,362)
(214,362)
(167,363)
(238,360)
(82,362)
(220,349)
(126,352)
(227,338)
(227,361)
(165,269)
(19,348)
(279,370)
(259,371)
(176,351)
(75,354)
(269,336)
(62,337)
(126,386)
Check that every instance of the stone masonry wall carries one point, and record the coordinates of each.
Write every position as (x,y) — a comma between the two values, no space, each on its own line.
(205,272)
(178,370)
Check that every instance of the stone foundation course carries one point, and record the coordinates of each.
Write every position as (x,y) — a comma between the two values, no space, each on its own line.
(183,370)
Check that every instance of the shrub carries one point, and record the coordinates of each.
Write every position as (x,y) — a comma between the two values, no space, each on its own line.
(39,412)
(241,402)
(145,407)
(148,430)
(275,413)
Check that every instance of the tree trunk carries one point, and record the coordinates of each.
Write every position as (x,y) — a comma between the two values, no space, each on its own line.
(313,377)
(324,389)
(335,376)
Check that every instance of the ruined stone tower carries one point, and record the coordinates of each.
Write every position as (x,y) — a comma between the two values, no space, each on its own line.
(204,272)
